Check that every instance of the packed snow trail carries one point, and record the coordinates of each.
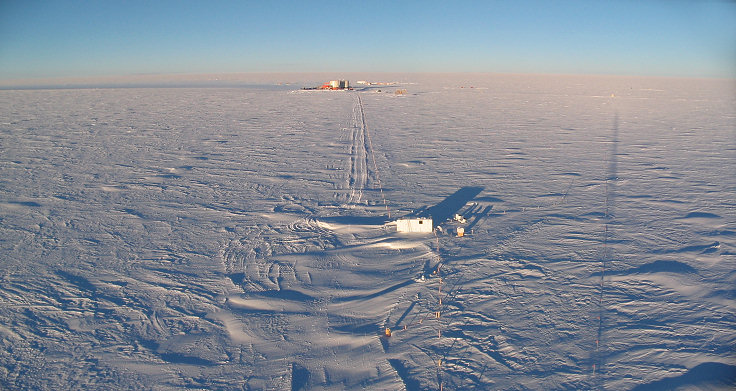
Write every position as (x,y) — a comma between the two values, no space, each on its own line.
(358,174)
(367,135)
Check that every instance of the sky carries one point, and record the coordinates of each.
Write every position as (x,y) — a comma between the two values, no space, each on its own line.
(54,39)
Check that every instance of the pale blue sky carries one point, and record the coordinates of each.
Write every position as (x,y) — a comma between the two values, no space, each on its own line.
(40,39)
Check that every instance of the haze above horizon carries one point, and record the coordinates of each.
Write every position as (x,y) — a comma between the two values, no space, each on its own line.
(58,39)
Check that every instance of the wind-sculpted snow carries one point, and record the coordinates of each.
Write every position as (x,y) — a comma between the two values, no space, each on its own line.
(236,238)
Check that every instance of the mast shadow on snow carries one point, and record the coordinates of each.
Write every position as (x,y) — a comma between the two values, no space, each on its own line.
(606,256)
(450,205)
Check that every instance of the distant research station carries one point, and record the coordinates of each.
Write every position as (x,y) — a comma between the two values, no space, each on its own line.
(332,85)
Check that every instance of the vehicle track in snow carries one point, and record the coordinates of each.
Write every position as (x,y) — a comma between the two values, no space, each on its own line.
(358,174)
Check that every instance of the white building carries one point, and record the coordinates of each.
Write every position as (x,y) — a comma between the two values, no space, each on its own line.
(415,225)
(339,84)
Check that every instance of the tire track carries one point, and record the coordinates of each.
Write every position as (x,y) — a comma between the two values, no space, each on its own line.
(358,174)
(369,149)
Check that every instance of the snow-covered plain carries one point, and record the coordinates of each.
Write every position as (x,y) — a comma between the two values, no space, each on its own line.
(234,238)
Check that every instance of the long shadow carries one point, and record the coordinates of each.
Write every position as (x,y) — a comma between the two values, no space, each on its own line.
(299,377)
(612,173)
(709,375)
(480,215)
(375,294)
(659,266)
(410,383)
(357,220)
(599,358)
(403,316)
(451,205)
(179,358)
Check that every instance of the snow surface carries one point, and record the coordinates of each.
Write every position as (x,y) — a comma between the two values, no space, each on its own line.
(235,238)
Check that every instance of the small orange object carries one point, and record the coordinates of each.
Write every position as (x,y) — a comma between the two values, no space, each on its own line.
(387,333)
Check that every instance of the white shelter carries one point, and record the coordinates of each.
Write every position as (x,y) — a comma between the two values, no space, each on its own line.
(415,225)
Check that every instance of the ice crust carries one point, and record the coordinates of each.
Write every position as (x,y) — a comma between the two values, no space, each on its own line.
(236,238)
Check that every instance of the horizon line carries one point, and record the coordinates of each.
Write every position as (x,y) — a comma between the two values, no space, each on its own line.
(193,79)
